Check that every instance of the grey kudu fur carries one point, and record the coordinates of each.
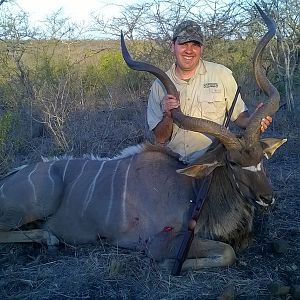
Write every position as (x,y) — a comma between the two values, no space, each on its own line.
(140,199)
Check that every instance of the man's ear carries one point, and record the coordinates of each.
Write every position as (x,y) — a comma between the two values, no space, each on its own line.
(270,145)
(201,51)
(199,170)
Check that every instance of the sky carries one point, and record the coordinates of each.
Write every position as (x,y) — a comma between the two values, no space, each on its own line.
(77,10)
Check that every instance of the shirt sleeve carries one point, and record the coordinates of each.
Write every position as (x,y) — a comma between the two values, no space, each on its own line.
(154,108)
(230,90)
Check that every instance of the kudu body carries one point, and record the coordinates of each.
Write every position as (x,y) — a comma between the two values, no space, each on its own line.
(141,200)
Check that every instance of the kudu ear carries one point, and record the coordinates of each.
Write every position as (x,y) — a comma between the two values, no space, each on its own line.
(204,165)
(198,170)
(270,145)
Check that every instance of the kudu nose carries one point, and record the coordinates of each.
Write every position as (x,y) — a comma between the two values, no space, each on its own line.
(266,200)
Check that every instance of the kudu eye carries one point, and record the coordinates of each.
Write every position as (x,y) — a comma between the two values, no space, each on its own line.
(233,164)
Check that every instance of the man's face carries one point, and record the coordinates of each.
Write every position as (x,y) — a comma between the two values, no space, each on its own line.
(187,55)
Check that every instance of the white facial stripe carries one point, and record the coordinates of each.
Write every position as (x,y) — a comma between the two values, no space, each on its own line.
(253,168)
(261,203)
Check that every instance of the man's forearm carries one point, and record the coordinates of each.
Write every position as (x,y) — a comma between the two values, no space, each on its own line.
(163,130)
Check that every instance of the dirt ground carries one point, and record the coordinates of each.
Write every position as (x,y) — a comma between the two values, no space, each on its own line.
(268,269)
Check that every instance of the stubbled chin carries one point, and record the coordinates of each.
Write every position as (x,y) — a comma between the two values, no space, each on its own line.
(188,67)
(188,63)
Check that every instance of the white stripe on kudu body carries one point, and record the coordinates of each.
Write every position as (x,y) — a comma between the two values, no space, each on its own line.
(65,169)
(32,184)
(91,189)
(75,182)
(51,178)
(1,192)
(123,204)
(111,193)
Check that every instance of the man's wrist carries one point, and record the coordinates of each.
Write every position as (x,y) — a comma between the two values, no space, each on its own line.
(167,116)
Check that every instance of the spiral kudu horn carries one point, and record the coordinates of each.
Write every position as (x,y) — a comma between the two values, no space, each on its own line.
(253,132)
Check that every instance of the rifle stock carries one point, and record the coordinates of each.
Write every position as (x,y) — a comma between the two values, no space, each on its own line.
(183,252)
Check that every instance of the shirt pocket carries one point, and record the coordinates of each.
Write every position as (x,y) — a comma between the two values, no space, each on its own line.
(213,105)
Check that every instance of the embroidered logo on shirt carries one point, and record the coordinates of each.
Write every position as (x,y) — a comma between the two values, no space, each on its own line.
(211,85)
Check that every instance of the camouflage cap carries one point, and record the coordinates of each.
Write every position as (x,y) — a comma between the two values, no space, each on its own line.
(188,31)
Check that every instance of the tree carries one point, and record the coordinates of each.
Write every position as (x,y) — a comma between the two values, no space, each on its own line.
(2,1)
(285,53)
(288,46)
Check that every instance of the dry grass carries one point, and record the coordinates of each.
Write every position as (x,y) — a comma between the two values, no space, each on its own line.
(105,272)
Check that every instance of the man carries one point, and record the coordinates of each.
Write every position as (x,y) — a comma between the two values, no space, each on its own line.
(206,91)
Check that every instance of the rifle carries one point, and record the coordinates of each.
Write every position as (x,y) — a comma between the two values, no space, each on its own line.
(197,206)
(190,233)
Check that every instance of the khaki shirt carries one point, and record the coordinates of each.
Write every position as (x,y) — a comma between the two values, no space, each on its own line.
(206,95)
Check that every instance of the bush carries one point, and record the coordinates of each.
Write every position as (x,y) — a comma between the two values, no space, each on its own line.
(5,125)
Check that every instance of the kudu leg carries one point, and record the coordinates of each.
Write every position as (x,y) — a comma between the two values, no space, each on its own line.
(207,254)
(29,236)
(203,253)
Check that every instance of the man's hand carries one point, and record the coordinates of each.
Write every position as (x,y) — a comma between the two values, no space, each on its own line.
(266,121)
(168,103)
(163,130)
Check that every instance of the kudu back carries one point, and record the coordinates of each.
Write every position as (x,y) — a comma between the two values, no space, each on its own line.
(140,199)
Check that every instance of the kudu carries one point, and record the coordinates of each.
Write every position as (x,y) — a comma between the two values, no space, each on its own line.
(140,200)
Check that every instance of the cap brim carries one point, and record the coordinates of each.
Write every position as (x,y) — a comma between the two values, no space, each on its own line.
(186,39)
